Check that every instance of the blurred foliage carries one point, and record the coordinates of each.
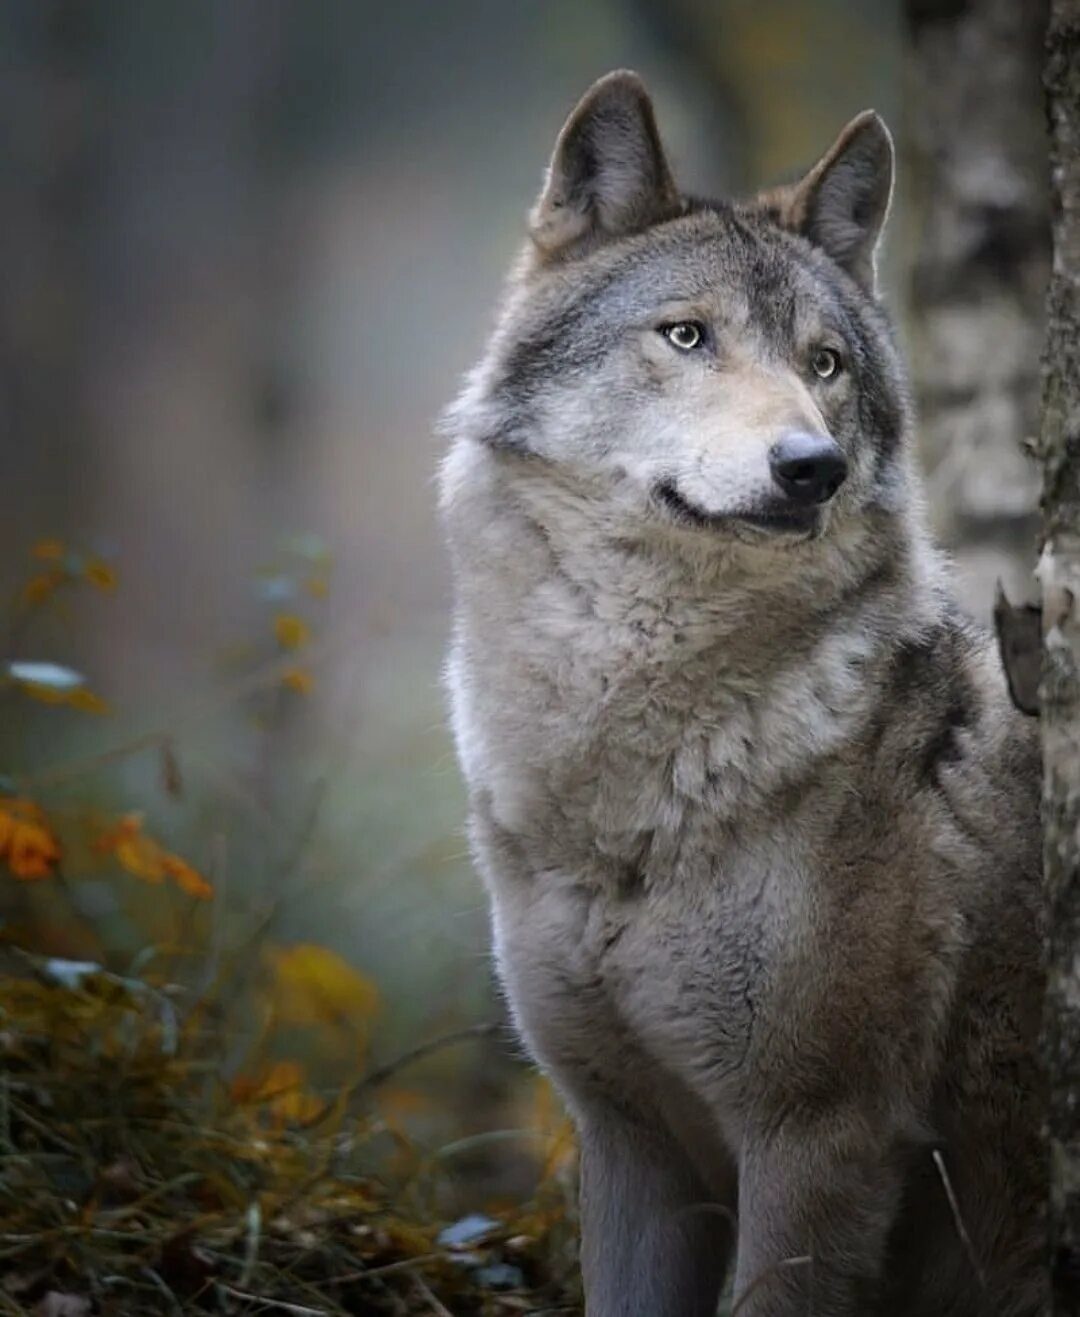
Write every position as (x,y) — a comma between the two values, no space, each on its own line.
(192,1113)
(136,1181)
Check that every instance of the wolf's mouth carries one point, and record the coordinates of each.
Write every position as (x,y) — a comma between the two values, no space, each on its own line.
(788,521)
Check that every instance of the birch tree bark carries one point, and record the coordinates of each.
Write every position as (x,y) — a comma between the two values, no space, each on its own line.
(1059,573)
(977,228)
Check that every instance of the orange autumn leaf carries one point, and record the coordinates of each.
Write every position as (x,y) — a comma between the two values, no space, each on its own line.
(138,853)
(98,572)
(281,1090)
(31,851)
(127,826)
(49,550)
(40,587)
(299,680)
(133,849)
(188,879)
(292,632)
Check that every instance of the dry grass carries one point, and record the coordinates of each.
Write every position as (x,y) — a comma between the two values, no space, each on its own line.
(134,1180)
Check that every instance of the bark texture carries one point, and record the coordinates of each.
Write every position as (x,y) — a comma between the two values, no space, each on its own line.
(978,232)
(1059,573)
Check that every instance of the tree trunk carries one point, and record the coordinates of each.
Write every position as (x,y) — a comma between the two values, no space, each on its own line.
(1059,573)
(974,162)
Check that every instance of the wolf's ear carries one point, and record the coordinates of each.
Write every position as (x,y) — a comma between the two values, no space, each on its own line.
(608,175)
(842,203)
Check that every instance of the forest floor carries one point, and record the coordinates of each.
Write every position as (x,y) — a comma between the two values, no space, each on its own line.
(135,1181)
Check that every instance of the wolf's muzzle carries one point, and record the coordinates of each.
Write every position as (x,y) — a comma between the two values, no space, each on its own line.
(809,468)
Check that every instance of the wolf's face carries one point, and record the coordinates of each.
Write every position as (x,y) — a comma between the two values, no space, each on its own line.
(708,370)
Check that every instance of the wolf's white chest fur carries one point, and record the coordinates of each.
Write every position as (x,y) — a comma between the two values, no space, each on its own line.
(624,759)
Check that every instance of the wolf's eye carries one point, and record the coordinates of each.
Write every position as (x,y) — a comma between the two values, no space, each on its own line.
(825,363)
(686,335)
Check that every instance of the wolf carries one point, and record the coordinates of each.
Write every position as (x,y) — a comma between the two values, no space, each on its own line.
(759,824)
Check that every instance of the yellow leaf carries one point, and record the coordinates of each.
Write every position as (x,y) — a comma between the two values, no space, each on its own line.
(292,632)
(98,572)
(546,1112)
(142,857)
(407,1238)
(314,985)
(299,680)
(48,550)
(318,586)
(87,701)
(560,1149)
(37,690)
(39,587)
(549,1119)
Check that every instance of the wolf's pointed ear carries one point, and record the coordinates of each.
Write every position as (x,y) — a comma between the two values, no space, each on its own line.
(608,175)
(842,203)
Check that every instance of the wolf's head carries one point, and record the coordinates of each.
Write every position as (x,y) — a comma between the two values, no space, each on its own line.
(695,369)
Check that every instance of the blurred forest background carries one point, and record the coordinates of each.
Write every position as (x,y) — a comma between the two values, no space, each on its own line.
(249,249)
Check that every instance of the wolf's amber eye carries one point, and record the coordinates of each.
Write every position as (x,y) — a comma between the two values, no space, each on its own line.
(825,363)
(686,335)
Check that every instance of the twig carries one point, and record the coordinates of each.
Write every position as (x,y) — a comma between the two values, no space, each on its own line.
(375,1078)
(76,767)
(954,1206)
(437,1306)
(159,1284)
(278,1304)
(114,1215)
(380,1075)
(457,1146)
(253,1224)
(290,869)
(389,1269)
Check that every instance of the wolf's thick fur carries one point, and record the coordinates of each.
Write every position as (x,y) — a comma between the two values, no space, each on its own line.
(759,824)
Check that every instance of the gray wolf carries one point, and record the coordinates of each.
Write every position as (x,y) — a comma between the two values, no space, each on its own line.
(757,819)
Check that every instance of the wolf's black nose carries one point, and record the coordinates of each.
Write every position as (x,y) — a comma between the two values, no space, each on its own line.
(809,468)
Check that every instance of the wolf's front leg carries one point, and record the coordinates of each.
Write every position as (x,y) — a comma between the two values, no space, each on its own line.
(653,1244)
(816,1202)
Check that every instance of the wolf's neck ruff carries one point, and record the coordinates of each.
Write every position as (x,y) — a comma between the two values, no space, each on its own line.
(636,678)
